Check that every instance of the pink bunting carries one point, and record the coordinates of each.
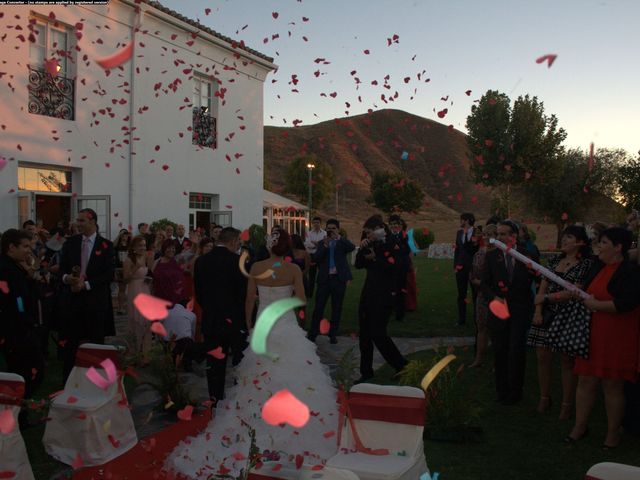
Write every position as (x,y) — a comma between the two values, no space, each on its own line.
(98,380)
(118,58)
(284,407)
(152,308)
(7,422)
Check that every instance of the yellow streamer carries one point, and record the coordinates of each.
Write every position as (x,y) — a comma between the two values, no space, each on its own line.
(243,260)
(435,370)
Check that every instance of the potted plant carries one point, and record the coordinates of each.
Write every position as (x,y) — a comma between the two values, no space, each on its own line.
(452,414)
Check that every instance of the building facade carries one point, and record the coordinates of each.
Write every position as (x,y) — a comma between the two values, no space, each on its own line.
(175,132)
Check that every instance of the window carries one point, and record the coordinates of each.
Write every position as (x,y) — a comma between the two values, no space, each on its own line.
(50,95)
(205,112)
(200,201)
(44,180)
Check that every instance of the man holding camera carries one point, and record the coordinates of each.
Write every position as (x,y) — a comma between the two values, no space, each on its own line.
(333,275)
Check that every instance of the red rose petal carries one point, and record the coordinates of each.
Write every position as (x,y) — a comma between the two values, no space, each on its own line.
(324,326)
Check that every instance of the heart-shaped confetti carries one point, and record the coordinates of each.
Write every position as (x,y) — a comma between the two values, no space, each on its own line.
(98,380)
(158,329)
(324,326)
(118,58)
(185,413)
(550,58)
(499,309)
(7,422)
(150,307)
(284,407)
(217,353)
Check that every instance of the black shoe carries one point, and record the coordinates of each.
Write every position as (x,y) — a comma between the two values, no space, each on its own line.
(363,379)
(333,340)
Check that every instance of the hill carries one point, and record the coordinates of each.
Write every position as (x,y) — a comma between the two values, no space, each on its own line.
(356,147)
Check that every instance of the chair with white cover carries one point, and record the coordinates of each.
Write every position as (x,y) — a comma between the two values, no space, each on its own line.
(382,433)
(613,471)
(306,472)
(87,421)
(13,453)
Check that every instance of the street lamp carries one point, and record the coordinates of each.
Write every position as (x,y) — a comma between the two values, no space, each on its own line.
(310,167)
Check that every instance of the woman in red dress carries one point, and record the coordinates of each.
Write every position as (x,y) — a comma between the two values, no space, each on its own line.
(614,285)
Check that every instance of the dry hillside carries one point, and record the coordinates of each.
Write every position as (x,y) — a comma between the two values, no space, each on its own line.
(357,147)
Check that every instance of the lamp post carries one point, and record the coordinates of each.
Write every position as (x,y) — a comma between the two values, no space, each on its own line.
(310,167)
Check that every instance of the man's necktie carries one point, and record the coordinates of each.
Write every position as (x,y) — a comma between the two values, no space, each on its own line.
(84,256)
(509,263)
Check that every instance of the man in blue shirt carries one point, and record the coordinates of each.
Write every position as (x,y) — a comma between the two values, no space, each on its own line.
(333,275)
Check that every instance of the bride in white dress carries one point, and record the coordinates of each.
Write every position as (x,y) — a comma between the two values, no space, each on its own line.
(223,448)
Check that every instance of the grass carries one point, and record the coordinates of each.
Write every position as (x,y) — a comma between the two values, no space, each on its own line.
(518,442)
(437,308)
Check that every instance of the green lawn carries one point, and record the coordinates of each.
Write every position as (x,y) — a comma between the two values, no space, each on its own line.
(437,310)
(518,442)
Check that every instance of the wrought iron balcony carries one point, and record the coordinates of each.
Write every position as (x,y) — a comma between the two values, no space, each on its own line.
(51,96)
(204,128)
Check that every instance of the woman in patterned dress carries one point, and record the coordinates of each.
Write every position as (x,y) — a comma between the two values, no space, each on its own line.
(571,264)
(482,307)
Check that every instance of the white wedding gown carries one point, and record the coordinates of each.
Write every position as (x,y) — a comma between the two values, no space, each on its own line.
(226,441)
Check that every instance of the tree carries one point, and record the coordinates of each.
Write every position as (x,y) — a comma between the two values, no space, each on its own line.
(629,183)
(604,176)
(394,192)
(297,179)
(512,146)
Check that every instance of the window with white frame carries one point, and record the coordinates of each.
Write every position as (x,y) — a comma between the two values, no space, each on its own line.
(205,112)
(51,83)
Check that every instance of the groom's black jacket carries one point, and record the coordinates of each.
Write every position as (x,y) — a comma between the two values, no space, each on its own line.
(220,290)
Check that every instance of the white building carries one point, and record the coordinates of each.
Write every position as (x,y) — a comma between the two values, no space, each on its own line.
(284,212)
(122,141)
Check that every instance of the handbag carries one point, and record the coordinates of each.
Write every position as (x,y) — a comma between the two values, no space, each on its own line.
(570,330)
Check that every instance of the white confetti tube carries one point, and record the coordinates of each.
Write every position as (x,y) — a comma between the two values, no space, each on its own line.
(545,272)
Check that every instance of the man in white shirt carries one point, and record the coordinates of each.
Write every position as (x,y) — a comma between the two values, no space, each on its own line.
(312,239)
(180,325)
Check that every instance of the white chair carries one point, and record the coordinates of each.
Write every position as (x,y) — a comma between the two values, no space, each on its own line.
(13,453)
(305,473)
(385,418)
(613,471)
(87,420)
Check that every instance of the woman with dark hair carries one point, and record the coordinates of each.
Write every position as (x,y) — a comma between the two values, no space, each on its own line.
(378,256)
(614,285)
(135,275)
(168,279)
(301,258)
(572,264)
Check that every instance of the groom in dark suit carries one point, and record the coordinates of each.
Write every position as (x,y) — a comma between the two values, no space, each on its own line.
(333,275)
(221,290)
(87,266)
(466,247)
(509,281)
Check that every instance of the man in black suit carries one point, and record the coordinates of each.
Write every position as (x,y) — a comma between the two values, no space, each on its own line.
(19,339)
(508,281)
(378,255)
(333,275)
(466,247)
(221,290)
(87,266)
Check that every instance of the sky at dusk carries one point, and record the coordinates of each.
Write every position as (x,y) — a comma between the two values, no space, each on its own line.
(458,45)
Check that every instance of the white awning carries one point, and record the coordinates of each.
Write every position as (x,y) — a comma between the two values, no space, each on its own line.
(273,200)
